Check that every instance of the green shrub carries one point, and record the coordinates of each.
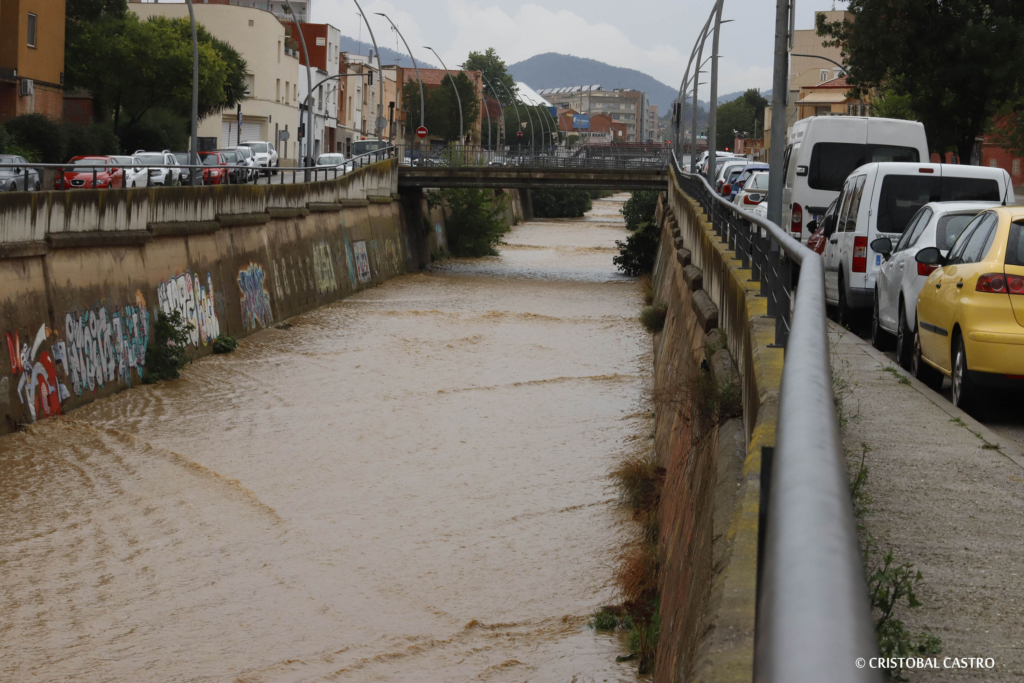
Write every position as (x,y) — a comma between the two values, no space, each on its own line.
(603,620)
(653,317)
(637,253)
(640,208)
(474,220)
(165,356)
(224,344)
(561,203)
(40,134)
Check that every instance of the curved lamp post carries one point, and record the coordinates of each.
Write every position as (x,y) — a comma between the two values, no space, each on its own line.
(378,129)
(501,107)
(415,66)
(455,87)
(516,107)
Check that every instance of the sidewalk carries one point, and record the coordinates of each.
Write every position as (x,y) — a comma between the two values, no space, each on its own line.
(946,494)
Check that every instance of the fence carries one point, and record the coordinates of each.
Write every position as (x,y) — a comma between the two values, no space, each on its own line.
(528,157)
(813,616)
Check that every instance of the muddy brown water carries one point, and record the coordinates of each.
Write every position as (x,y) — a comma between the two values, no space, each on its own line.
(408,485)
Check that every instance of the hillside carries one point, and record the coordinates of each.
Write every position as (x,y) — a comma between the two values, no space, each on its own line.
(387,55)
(552,70)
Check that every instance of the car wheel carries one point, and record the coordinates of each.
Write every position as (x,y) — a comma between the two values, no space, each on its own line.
(133,184)
(964,391)
(879,337)
(38,186)
(904,339)
(931,377)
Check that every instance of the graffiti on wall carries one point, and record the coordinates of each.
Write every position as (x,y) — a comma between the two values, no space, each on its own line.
(39,389)
(184,293)
(362,261)
(255,297)
(350,261)
(105,347)
(323,268)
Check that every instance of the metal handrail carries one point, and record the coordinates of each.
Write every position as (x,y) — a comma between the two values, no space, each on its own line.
(609,157)
(328,172)
(813,615)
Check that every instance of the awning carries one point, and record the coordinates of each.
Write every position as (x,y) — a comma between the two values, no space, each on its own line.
(830,96)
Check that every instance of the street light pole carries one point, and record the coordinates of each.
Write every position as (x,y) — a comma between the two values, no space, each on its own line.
(780,85)
(415,66)
(307,162)
(378,129)
(193,157)
(713,106)
(516,107)
(501,107)
(455,87)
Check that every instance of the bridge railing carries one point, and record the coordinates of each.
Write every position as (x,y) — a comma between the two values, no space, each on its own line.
(814,620)
(525,156)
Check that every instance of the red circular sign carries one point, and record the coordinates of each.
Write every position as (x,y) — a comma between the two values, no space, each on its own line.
(519,133)
(421,132)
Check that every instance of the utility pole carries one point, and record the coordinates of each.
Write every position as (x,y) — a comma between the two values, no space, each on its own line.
(455,87)
(194,174)
(713,107)
(308,161)
(780,92)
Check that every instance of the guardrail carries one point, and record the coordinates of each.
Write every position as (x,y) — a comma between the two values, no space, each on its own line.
(111,176)
(814,621)
(598,157)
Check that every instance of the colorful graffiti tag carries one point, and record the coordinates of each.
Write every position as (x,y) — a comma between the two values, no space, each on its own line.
(39,389)
(104,347)
(255,297)
(184,293)
(350,262)
(323,268)
(362,261)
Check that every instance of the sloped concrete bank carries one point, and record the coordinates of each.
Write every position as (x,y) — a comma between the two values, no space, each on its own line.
(84,274)
(712,457)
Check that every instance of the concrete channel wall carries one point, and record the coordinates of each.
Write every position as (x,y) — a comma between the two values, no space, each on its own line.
(84,274)
(710,500)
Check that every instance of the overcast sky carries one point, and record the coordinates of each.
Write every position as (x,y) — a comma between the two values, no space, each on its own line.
(653,36)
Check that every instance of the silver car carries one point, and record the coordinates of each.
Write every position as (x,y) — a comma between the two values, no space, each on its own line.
(16,174)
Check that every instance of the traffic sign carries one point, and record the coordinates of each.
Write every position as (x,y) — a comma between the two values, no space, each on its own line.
(421,132)
(382,123)
(519,133)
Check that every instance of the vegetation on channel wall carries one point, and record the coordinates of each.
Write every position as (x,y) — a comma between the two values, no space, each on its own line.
(637,253)
(165,356)
(561,203)
(474,220)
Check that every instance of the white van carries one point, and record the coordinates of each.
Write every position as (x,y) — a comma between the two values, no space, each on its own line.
(824,150)
(878,200)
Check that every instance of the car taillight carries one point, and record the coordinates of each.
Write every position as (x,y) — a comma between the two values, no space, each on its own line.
(994,283)
(747,199)
(727,189)
(860,254)
(797,224)
(1015,284)
(925,269)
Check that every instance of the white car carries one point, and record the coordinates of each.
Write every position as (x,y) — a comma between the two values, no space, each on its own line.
(266,156)
(135,174)
(250,160)
(334,160)
(901,277)
(753,193)
(161,167)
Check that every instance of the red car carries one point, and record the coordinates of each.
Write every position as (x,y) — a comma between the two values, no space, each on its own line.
(824,229)
(89,173)
(217,174)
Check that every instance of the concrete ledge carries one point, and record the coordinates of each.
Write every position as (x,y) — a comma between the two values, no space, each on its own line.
(705,310)
(183,228)
(287,211)
(694,278)
(677,241)
(324,207)
(23,249)
(379,199)
(98,238)
(396,196)
(683,256)
(354,202)
(238,220)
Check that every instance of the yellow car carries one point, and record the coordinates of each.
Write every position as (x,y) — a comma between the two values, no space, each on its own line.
(970,312)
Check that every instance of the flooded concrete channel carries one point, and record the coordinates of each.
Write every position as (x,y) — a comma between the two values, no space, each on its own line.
(406,485)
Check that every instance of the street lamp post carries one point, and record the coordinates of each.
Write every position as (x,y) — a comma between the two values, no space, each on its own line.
(307,162)
(455,87)
(545,129)
(713,106)
(483,103)
(193,157)
(377,126)
(415,66)
(516,107)
(501,107)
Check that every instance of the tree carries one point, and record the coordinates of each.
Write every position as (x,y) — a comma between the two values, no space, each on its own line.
(743,115)
(956,61)
(497,75)
(442,107)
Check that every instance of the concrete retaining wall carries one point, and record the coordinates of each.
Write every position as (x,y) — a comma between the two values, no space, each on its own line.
(710,501)
(84,274)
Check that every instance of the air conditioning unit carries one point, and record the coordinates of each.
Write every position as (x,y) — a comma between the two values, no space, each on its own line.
(27,87)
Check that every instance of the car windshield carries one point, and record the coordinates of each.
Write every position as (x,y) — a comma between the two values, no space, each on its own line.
(210,159)
(230,156)
(949,228)
(260,147)
(330,160)
(1015,245)
(89,162)
(833,162)
(903,195)
(156,159)
(244,152)
(365,146)
(759,181)
(182,157)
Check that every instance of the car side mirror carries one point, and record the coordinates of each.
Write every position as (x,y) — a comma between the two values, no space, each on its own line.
(801,171)
(812,227)
(883,246)
(929,256)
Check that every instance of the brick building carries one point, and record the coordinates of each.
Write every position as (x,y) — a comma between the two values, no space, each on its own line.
(31,58)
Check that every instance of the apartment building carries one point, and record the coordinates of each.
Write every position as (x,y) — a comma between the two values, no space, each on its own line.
(812,71)
(322,43)
(652,133)
(628,107)
(272,105)
(31,58)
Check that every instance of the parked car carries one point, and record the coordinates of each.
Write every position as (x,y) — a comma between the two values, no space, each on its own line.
(725,168)
(702,160)
(819,235)
(135,175)
(216,168)
(89,173)
(184,161)
(901,278)
(878,200)
(334,160)
(753,193)
(824,150)
(19,176)
(970,312)
(266,156)
(161,167)
(748,170)
(238,172)
(249,157)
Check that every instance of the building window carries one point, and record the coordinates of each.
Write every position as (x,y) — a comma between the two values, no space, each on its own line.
(250,83)
(277,92)
(279,52)
(31,30)
(252,23)
(1016,167)
(992,163)
(824,75)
